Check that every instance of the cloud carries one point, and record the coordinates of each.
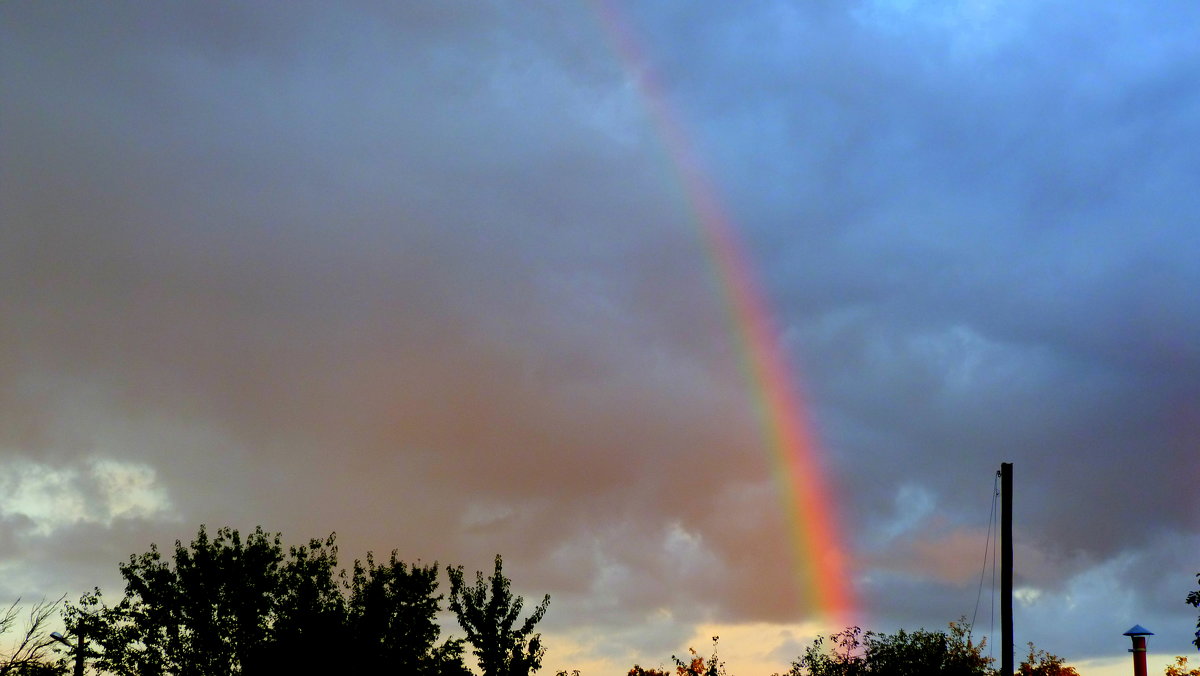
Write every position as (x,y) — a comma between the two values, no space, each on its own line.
(47,498)
(424,276)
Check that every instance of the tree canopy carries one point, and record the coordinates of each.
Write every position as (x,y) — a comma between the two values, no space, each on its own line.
(1193,599)
(695,664)
(852,652)
(392,616)
(231,605)
(489,613)
(1181,668)
(227,604)
(1042,663)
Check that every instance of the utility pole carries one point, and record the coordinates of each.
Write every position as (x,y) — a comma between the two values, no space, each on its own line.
(1006,569)
(80,654)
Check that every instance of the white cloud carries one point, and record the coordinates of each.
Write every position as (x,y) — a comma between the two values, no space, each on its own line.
(97,491)
(130,490)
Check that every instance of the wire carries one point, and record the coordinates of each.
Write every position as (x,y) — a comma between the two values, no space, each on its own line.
(996,535)
(987,545)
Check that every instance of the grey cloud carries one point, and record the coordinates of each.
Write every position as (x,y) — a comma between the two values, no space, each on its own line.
(424,276)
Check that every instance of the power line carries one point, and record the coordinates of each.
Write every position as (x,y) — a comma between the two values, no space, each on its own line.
(995,531)
(988,545)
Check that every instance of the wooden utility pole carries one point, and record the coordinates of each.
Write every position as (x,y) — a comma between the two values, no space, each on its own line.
(1006,569)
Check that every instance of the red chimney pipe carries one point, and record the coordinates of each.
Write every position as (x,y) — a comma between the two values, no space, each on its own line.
(1139,633)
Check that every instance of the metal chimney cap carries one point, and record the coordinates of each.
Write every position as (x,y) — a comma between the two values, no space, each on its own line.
(1138,630)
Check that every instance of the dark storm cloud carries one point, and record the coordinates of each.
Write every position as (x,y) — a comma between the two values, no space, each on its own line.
(1069,256)
(978,229)
(422,275)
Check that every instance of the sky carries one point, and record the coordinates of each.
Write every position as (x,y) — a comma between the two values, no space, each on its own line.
(433,276)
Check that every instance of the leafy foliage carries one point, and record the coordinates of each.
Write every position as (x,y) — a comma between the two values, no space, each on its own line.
(1042,663)
(852,652)
(843,657)
(1181,668)
(309,609)
(392,617)
(488,613)
(210,610)
(696,666)
(1193,598)
(227,605)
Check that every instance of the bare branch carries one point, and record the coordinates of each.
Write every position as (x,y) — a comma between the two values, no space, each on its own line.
(32,646)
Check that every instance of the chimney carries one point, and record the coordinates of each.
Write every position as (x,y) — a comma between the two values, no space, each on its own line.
(1139,633)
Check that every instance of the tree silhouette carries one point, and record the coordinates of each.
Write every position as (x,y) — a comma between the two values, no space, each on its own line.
(1042,663)
(695,665)
(309,610)
(227,605)
(1181,668)
(488,613)
(852,652)
(393,619)
(29,652)
(1193,598)
(209,610)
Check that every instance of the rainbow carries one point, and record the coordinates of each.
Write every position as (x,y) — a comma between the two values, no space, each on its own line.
(819,557)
